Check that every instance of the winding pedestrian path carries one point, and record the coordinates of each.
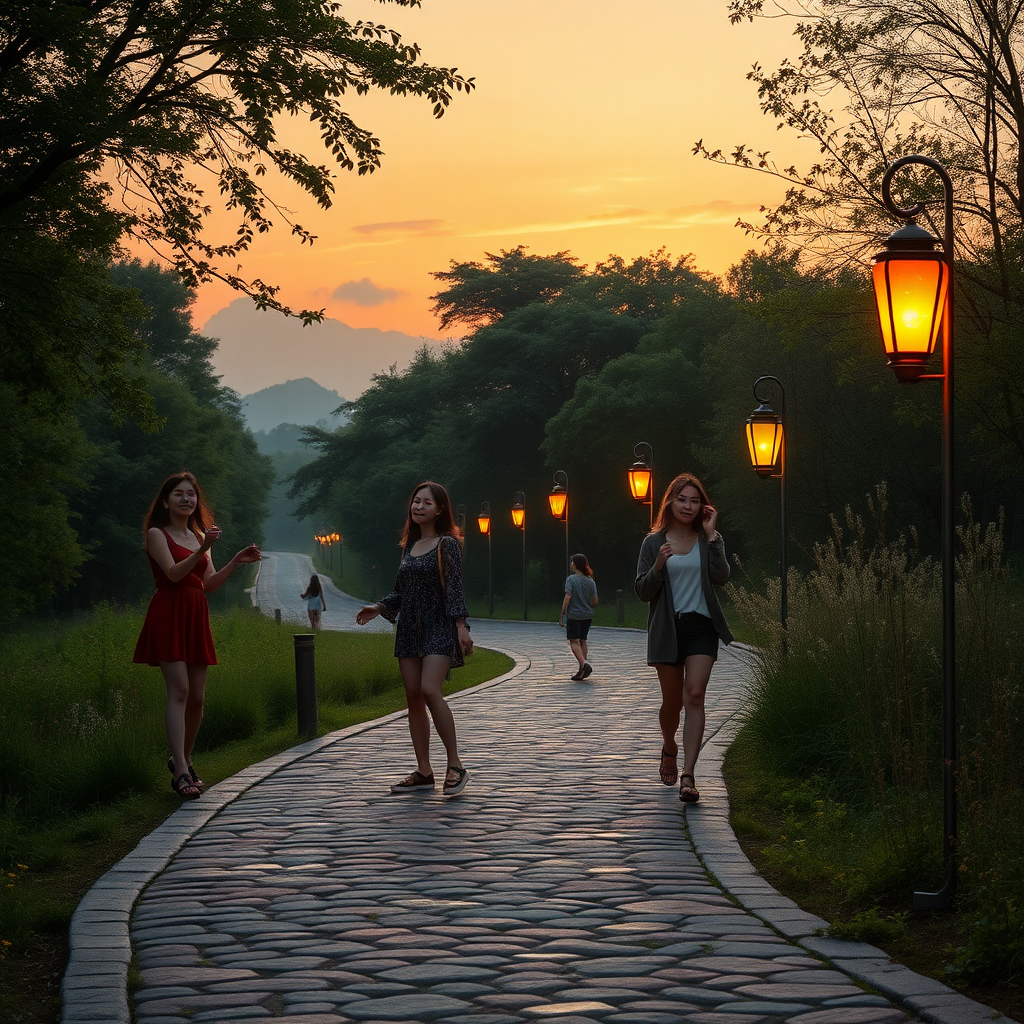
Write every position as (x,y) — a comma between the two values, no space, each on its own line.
(565,884)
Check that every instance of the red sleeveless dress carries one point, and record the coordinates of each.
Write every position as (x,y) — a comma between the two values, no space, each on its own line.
(177,626)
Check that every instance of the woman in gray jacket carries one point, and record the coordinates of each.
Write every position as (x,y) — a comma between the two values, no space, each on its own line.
(681,562)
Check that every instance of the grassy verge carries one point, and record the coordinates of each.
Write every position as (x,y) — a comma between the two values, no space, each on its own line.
(82,773)
(837,774)
(825,855)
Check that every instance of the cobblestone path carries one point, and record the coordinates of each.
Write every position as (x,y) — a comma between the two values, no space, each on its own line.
(565,884)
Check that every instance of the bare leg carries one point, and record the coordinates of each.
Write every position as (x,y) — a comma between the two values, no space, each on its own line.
(435,668)
(312,619)
(671,679)
(576,646)
(176,678)
(316,621)
(194,707)
(697,674)
(583,648)
(422,678)
(419,724)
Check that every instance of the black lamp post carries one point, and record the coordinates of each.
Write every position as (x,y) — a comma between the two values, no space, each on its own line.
(766,439)
(913,283)
(483,521)
(558,501)
(641,477)
(519,522)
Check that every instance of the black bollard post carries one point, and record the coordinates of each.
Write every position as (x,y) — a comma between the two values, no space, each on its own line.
(277,616)
(620,607)
(305,683)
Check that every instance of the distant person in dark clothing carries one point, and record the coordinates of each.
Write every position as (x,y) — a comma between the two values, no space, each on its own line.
(577,612)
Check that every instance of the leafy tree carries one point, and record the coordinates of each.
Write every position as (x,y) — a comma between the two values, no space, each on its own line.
(171,98)
(479,294)
(644,288)
(165,326)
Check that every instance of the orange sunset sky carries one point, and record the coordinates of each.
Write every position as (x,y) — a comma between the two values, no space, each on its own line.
(577,137)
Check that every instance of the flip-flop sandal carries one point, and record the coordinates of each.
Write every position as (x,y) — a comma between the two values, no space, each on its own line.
(185,787)
(688,794)
(451,788)
(668,775)
(195,778)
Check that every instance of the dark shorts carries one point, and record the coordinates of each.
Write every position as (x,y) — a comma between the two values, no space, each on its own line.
(695,634)
(577,629)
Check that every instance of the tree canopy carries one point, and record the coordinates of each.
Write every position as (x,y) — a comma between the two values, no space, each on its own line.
(151,105)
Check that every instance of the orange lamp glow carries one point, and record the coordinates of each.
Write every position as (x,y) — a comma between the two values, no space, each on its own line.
(911,280)
(558,501)
(640,477)
(764,439)
(519,514)
(484,522)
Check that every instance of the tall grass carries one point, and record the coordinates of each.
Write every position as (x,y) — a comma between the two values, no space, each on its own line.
(80,725)
(847,703)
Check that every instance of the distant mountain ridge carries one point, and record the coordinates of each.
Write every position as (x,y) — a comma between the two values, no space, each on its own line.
(302,402)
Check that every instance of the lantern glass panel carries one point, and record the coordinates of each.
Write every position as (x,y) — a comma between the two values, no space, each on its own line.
(518,518)
(764,439)
(484,522)
(910,296)
(557,500)
(640,483)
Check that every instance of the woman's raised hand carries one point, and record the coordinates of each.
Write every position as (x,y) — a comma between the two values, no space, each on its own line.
(210,538)
(250,554)
(710,520)
(366,613)
(664,554)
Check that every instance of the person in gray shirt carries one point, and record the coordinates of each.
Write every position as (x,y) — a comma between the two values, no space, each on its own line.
(578,606)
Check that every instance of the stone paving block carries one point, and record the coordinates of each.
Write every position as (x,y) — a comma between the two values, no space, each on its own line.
(417,1007)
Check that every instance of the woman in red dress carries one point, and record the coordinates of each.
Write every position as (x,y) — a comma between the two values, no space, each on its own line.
(176,635)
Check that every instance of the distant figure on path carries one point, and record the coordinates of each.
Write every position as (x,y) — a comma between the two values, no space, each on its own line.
(681,561)
(179,533)
(315,603)
(577,612)
(432,635)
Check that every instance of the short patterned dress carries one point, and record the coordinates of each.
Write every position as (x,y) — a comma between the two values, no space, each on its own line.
(426,611)
(177,626)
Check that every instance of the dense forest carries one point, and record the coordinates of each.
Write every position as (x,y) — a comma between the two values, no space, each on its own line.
(567,368)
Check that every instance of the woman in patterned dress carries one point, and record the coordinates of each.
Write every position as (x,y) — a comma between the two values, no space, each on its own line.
(432,635)
(176,636)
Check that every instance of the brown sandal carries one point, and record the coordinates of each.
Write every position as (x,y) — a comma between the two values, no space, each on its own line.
(669,775)
(688,794)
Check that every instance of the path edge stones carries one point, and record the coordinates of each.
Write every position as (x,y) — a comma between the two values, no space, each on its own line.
(94,989)
(719,851)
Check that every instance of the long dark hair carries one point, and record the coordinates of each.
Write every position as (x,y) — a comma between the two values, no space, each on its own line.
(580,562)
(314,589)
(159,516)
(665,517)
(444,523)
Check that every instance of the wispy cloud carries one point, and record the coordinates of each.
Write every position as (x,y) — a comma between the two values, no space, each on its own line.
(404,227)
(365,293)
